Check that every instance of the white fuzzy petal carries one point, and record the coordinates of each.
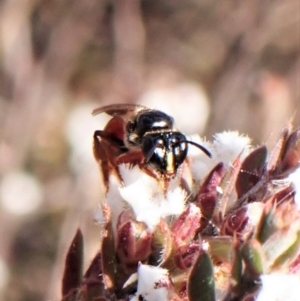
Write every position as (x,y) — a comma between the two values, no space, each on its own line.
(153,284)
(114,199)
(143,206)
(195,151)
(228,145)
(147,198)
(175,202)
(130,174)
(201,164)
(279,287)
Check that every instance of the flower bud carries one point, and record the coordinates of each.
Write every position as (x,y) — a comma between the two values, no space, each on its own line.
(291,153)
(187,224)
(185,255)
(206,198)
(133,241)
(242,221)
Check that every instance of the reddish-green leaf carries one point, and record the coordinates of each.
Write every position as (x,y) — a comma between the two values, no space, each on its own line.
(92,280)
(289,254)
(221,248)
(161,245)
(206,198)
(251,170)
(291,154)
(237,269)
(73,266)
(266,225)
(253,257)
(201,284)
(276,154)
(108,253)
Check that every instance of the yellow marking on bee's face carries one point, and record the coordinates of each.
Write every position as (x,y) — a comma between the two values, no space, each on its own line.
(170,168)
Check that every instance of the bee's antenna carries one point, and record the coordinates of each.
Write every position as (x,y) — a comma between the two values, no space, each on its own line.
(200,147)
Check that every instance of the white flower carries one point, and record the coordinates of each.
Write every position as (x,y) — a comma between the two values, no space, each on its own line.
(201,164)
(279,287)
(147,198)
(226,147)
(153,284)
(114,200)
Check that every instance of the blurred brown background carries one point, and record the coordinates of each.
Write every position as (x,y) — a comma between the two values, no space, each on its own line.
(214,65)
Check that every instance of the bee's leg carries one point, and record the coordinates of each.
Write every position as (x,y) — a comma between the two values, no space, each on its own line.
(101,157)
(106,149)
(132,157)
(111,139)
(136,157)
(162,181)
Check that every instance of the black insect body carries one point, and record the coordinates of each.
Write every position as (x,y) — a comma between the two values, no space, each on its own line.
(147,121)
(165,150)
(139,135)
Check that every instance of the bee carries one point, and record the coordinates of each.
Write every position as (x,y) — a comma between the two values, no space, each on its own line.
(138,135)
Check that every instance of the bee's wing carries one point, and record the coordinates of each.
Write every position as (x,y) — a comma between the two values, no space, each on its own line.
(119,109)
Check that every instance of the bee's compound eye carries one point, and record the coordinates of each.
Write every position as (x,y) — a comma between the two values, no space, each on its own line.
(179,148)
(177,139)
(150,144)
(166,151)
(154,149)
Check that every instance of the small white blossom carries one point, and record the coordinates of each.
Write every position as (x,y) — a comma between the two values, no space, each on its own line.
(130,174)
(114,200)
(194,151)
(201,164)
(147,199)
(153,284)
(279,287)
(226,147)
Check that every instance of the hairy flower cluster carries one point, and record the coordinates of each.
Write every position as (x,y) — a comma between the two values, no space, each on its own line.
(224,228)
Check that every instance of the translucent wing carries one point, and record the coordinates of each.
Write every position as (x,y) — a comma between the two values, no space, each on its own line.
(119,109)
